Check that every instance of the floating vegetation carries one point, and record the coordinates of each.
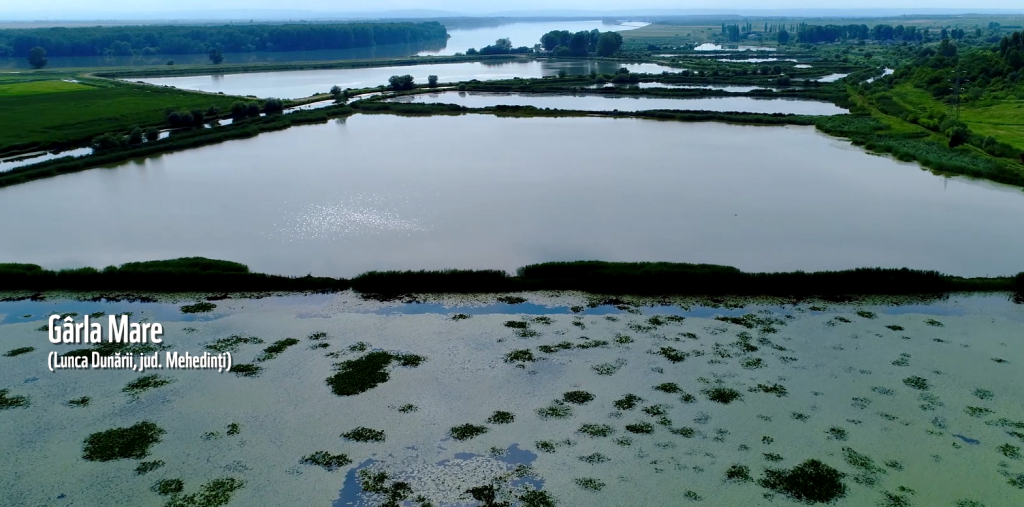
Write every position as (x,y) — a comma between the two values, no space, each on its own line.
(246,370)
(210,435)
(543,319)
(753,363)
(608,368)
(359,347)
(688,398)
(723,395)
(408,408)
(467,431)
(933,322)
(977,411)
(837,433)
(201,307)
(557,410)
(883,391)
(864,463)
(578,397)
(797,416)
(501,417)
(738,473)
(596,430)
(595,458)
(18,351)
(983,394)
(590,344)
(861,403)
(534,498)
(520,356)
(166,487)
(328,461)
(668,387)
(628,402)
(891,499)
(893,464)
(122,443)
(80,402)
(810,482)
(916,382)
(968,503)
(692,496)
(640,428)
(275,348)
(551,349)
(999,360)
(231,343)
(624,441)
(546,446)
(517,324)
(623,339)
(364,434)
(215,493)
(511,300)
(526,333)
(145,383)
(776,389)
(904,360)
(234,429)
(321,345)
(1010,451)
(673,355)
(589,483)
(460,316)
(772,457)
(866,314)
(148,466)
(359,375)
(640,328)
(683,432)
(319,335)
(895,327)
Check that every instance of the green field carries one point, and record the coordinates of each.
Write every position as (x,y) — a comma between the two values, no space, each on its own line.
(52,112)
(1001,119)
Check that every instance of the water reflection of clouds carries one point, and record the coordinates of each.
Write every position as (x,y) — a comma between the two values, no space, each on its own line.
(358,215)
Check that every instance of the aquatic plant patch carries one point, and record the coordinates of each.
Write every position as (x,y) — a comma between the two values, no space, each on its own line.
(328,461)
(723,395)
(628,402)
(364,434)
(276,348)
(501,417)
(19,351)
(145,383)
(467,431)
(201,307)
(7,402)
(578,397)
(215,493)
(810,482)
(232,343)
(359,375)
(122,443)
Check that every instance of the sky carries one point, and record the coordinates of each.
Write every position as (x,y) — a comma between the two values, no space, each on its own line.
(487,6)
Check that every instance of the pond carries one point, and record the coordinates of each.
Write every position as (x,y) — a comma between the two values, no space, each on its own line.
(521,34)
(477,191)
(637,401)
(303,83)
(626,102)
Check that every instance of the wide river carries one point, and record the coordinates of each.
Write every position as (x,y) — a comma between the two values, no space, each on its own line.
(303,83)
(478,191)
(594,102)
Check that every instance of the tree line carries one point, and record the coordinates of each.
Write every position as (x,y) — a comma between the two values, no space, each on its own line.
(170,40)
(582,43)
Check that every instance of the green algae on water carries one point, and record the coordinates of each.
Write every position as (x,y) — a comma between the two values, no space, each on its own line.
(578,397)
(723,395)
(328,461)
(810,482)
(246,370)
(501,417)
(18,351)
(467,431)
(148,466)
(215,493)
(231,343)
(275,348)
(589,483)
(364,434)
(166,487)
(145,383)
(628,402)
(122,443)
(359,375)
(738,473)
(201,307)
(79,402)
(596,430)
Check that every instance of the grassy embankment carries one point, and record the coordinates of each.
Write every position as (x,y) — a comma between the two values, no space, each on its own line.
(48,112)
(646,278)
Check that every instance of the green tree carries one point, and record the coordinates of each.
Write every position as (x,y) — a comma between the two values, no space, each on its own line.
(152,134)
(335,90)
(273,106)
(107,141)
(135,136)
(37,57)
(608,43)
(783,37)
(398,83)
(578,43)
(216,56)
(432,81)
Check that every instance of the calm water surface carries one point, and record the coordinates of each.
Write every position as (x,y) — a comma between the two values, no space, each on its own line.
(476,191)
(626,103)
(303,83)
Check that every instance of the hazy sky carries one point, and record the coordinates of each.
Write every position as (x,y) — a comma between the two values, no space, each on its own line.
(55,7)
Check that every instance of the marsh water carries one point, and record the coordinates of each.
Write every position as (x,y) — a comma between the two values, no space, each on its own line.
(303,83)
(477,191)
(605,102)
(915,404)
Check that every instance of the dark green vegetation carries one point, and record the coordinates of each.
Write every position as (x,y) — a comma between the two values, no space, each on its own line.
(166,487)
(501,417)
(145,383)
(596,430)
(563,43)
(235,38)
(215,493)
(738,473)
(467,431)
(201,307)
(628,402)
(578,397)
(641,428)
(18,351)
(122,443)
(231,343)
(919,383)
(246,370)
(723,395)
(359,375)
(557,410)
(276,348)
(810,482)
(148,466)
(327,460)
(589,483)
(176,275)
(364,434)
(80,402)
(7,402)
